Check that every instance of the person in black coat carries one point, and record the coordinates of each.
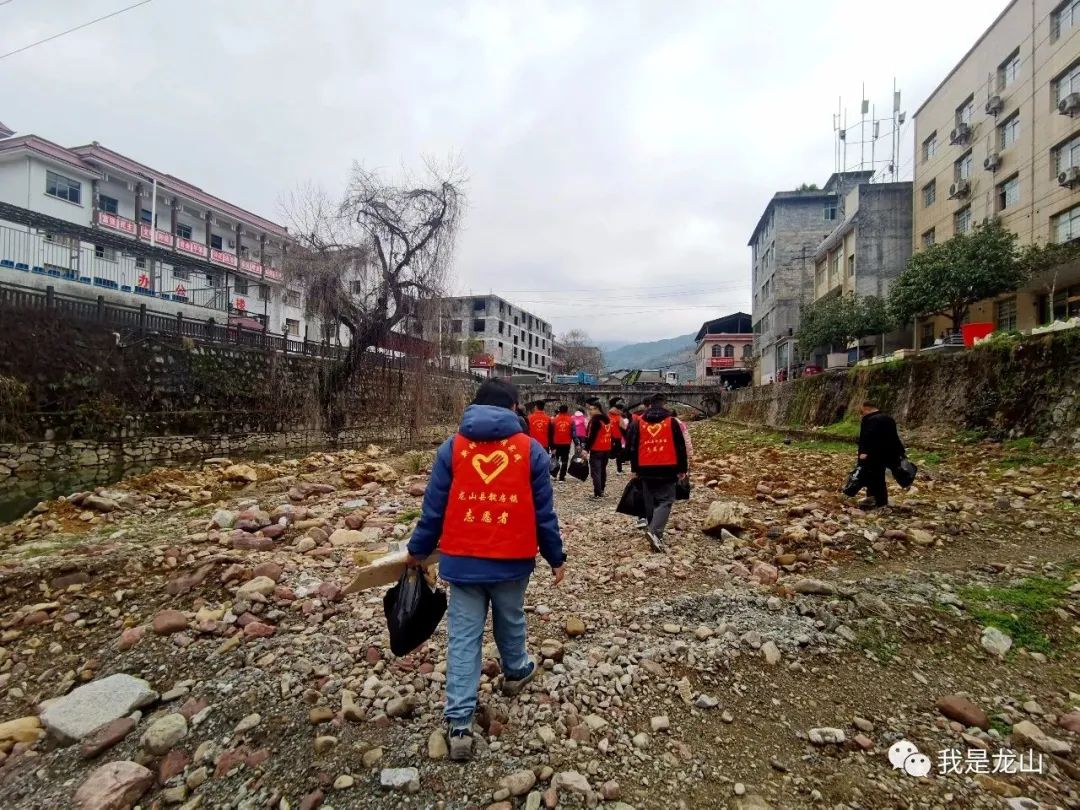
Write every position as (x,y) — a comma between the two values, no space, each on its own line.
(880,449)
(657,481)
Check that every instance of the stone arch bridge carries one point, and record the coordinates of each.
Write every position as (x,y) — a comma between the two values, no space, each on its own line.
(703,399)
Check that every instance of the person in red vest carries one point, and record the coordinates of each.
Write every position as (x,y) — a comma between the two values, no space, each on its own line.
(658,457)
(562,438)
(615,418)
(598,446)
(489,508)
(540,425)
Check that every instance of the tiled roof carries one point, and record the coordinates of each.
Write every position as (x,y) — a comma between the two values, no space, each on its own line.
(47,149)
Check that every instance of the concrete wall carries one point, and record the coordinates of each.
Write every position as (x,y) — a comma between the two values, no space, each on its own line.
(22,183)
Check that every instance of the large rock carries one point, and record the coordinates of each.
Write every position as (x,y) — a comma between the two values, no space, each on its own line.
(724,515)
(1027,733)
(962,710)
(573,782)
(260,584)
(100,504)
(82,710)
(164,733)
(815,586)
(519,783)
(240,473)
(358,474)
(407,779)
(114,786)
(351,537)
(223,519)
(24,729)
(995,642)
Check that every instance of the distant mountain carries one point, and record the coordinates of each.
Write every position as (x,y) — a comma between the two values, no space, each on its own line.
(609,345)
(676,354)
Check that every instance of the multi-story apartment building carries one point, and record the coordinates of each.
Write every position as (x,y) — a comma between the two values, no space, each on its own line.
(90,221)
(504,338)
(783,245)
(725,351)
(865,253)
(1000,137)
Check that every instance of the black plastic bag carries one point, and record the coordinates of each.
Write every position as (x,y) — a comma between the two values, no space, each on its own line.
(856,480)
(554,466)
(413,610)
(579,468)
(682,489)
(632,501)
(905,472)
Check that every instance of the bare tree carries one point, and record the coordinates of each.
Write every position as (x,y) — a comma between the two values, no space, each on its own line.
(368,261)
(574,353)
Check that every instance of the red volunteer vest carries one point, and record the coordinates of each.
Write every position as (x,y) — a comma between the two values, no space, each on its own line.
(490,513)
(616,424)
(636,417)
(603,438)
(539,423)
(656,444)
(564,429)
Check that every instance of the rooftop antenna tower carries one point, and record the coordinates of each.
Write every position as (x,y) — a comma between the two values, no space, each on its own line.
(871,130)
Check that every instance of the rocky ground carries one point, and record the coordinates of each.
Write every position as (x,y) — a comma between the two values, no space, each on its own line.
(181,639)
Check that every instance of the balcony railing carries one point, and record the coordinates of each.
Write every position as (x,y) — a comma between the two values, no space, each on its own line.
(179,244)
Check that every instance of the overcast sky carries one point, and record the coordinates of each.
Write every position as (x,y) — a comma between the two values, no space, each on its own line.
(619,153)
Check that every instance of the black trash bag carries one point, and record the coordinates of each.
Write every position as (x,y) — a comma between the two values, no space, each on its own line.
(554,466)
(856,480)
(579,468)
(413,610)
(632,501)
(682,489)
(905,472)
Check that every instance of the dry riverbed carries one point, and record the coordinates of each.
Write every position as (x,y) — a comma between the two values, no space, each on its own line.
(181,639)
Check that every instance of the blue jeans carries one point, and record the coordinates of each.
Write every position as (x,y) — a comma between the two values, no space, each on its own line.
(466,618)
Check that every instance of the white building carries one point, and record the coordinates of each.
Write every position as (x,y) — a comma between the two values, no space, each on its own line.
(490,333)
(90,221)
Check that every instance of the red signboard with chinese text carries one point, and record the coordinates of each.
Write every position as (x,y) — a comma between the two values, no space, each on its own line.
(116,223)
(721,362)
(240,304)
(272,273)
(248,266)
(181,290)
(193,248)
(482,361)
(221,257)
(161,238)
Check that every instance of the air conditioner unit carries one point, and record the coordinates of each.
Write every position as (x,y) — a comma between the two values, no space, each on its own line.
(994,105)
(993,160)
(1069,104)
(1070,177)
(961,134)
(960,188)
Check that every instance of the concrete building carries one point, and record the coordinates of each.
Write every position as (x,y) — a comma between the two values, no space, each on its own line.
(864,254)
(783,245)
(725,351)
(1000,137)
(90,220)
(486,332)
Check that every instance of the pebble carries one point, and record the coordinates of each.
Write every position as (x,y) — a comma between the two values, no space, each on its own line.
(574,627)
(164,733)
(827,736)
(407,779)
(247,723)
(659,723)
(436,745)
(343,782)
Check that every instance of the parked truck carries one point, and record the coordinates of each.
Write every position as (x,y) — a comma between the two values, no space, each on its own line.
(581,378)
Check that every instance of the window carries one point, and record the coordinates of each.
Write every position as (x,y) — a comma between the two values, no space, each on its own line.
(717,350)
(146,215)
(965,111)
(215,241)
(747,350)
(1009,70)
(1064,17)
(478,325)
(140,263)
(962,167)
(241,286)
(729,350)
(501,327)
(929,193)
(110,205)
(179,273)
(1008,193)
(478,305)
(926,333)
(1009,131)
(455,327)
(962,220)
(1067,154)
(106,253)
(264,292)
(183,231)
(929,147)
(357,287)
(929,237)
(292,327)
(851,265)
(64,188)
(1006,315)
(292,298)
(515,352)
(1068,82)
(1066,225)
(830,212)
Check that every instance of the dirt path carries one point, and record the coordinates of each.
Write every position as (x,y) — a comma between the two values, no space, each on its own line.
(813,616)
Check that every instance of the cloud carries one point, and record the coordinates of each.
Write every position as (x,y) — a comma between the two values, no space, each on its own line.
(619,153)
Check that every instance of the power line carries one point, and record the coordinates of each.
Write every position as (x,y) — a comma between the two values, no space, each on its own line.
(72,30)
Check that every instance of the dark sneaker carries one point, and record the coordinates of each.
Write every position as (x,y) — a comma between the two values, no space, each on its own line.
(656,543)
(461,744)
(512,687)
(642,523)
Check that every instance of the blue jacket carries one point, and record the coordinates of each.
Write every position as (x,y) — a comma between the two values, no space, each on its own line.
(485,423)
